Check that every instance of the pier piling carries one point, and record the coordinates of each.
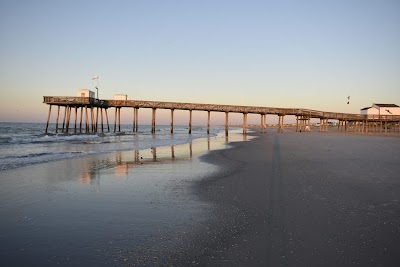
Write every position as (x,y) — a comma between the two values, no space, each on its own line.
(58,114)
(172,121)
(153,121)
(346,122)
(190,121)
(208,122)
(226,123)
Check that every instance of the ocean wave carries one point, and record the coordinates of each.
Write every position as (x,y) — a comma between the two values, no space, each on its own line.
(34,147)
(13,162)
(42,154)
(5,140)
(48,138)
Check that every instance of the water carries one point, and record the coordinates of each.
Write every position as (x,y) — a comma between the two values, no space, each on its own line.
(23,144)
(86,200)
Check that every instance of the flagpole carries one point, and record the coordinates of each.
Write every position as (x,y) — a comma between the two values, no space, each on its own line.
(97,85)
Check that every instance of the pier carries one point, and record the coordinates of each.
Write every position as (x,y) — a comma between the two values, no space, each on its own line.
(89,115)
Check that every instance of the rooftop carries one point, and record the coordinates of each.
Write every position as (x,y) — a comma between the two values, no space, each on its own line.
(386,105)
(366,108)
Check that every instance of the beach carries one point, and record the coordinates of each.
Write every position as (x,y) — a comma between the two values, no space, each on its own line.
(309,199)
(291,199)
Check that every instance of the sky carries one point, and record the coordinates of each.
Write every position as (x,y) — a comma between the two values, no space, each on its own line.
(291,54)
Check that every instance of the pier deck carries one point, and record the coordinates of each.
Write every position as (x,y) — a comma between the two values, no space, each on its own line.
(346,120)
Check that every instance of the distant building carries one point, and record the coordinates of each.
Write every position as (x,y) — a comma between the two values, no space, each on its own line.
(120,97)
(381,109)
(86,93)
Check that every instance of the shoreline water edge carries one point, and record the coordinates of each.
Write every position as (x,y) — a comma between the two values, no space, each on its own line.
(291,199)
(88,209)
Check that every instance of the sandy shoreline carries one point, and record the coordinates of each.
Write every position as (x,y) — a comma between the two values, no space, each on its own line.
(292,199)
(303,200)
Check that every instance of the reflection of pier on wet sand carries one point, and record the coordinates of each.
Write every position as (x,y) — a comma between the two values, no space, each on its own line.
(127,160)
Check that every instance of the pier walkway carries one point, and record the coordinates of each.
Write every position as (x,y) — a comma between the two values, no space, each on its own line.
(89,109)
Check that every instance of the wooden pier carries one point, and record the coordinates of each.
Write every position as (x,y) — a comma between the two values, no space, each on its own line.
(88,110)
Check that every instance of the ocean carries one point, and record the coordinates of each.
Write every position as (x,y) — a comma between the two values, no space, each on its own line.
(23,144)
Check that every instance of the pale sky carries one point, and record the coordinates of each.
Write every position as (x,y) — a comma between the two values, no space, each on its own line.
(294,54)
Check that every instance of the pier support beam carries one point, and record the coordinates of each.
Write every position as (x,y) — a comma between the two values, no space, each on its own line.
(48,118)
(208,122)
(108,125)
(386,124)
(262,123)
(245,123)
(68,119)
(65,117)
(137,119)
(153,121)
(190,121)
(265,123)
(172,121)
(80,121)
(89,111)
(226,123)
(96,126)
(58,114)
(101,116)
(115,120)
(86,120)
(76,118)
(280,123)
(119,119)
(133,120)
(92,117)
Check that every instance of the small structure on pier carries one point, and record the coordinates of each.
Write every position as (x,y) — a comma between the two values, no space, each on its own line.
(120,97)
(86,93)
(381,109)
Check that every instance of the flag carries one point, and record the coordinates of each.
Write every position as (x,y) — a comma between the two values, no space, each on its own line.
(95,77)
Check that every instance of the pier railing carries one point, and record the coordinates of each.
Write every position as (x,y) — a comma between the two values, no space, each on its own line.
(308,113)
(73,100)
(91,110)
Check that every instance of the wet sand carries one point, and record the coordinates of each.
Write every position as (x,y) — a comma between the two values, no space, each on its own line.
(96,210)
(292,199)
(301,199)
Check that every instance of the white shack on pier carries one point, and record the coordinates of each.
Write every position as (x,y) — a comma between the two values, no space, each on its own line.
(120,97)
(86,93)
(381,109)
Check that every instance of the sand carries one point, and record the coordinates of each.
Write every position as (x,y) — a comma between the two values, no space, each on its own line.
(291,199)
(303,199)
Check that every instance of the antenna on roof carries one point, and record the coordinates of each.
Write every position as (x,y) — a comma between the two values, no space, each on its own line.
(97,84)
